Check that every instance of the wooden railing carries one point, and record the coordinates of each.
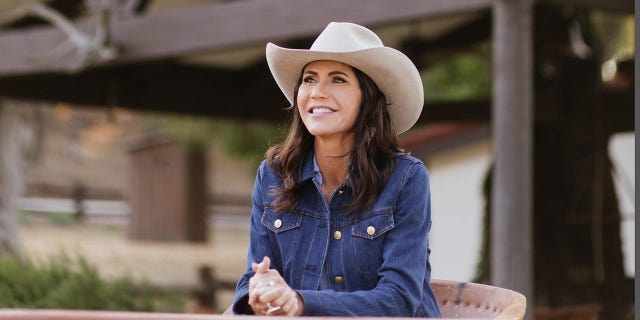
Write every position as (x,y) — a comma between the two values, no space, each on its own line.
(117,315)
(456,300)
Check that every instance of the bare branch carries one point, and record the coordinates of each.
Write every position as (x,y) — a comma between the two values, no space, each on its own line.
(81,48)
(61,22)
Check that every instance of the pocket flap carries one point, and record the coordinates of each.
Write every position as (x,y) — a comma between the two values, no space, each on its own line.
(280,222)
(374,226)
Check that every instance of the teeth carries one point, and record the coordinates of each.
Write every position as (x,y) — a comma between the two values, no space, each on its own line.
(321,110)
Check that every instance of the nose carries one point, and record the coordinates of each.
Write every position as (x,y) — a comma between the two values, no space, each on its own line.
(318,91)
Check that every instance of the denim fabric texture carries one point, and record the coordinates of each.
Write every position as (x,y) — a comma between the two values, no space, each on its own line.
(382,256)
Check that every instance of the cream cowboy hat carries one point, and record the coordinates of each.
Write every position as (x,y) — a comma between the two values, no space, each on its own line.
(358,47)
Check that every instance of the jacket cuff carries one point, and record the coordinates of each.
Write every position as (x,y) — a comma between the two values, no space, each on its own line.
(241,306)
(312,303)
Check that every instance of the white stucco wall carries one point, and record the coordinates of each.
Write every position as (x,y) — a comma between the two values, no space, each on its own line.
(457,208)
(622,153)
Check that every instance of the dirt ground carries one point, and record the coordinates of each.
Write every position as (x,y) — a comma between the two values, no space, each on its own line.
(160,263)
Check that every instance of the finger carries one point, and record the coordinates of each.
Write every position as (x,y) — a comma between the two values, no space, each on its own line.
(294,312)
(270,295)
(263,266)
(284,297)
(257,285)
(257,291)
(274,310)
(298,307)
(270,279)
(295,309)
(288,307)
(257,305)
(259,309)
(254,266)
(253,297)
(253,285)
(253,282)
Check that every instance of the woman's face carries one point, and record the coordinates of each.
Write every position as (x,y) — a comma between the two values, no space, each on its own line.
(329,99)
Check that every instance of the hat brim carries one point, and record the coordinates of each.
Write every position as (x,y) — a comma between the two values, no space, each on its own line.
(394,73)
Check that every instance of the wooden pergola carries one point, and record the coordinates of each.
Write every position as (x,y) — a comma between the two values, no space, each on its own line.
(150,73)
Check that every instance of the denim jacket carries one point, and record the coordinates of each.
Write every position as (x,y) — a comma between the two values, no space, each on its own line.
(375,263)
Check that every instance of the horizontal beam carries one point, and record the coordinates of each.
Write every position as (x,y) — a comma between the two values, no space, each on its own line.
(219,26)
(621,6)
(171,87)
(162,87)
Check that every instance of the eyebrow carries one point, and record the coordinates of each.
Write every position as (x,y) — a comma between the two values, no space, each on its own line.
(330,73)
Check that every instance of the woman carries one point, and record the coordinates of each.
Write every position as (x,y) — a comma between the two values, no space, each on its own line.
(341,215)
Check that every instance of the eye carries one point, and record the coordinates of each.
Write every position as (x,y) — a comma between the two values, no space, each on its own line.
(309,79)
(339,80)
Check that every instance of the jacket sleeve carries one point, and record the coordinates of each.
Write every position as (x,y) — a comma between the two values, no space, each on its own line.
(405,265)
(259,246)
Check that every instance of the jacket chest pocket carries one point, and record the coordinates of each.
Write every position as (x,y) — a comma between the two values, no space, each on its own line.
(284,228)
(368,240)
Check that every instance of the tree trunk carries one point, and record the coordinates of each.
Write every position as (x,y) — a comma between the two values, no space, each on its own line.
(19,143)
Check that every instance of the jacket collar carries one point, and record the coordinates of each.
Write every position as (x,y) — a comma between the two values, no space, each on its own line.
(310,168)
(307,170)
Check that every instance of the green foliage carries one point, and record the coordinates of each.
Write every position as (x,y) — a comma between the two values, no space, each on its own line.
(188,131)
(247,140)
(60,218)
(615,34)
(69,283)
(461,77)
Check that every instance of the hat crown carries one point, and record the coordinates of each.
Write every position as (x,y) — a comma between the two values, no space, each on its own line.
(345,37)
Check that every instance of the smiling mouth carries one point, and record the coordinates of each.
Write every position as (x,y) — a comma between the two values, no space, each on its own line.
(321,110)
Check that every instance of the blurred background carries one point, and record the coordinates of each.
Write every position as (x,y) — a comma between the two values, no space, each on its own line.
(130,132)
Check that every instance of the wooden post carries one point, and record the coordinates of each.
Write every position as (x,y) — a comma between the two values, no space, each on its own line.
(511,243)
(167,192)
(20,135)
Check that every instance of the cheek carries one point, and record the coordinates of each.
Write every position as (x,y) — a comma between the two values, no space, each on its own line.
(301,106)
(302,95)
(300,100)
(354,102)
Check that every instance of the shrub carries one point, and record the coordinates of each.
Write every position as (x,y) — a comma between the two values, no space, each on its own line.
(68,283)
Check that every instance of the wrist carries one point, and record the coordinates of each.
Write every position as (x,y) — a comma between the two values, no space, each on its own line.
(300,303)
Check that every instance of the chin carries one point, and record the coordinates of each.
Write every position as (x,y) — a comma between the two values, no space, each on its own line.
(320,132)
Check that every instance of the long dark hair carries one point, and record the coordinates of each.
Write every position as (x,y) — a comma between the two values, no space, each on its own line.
(372,161)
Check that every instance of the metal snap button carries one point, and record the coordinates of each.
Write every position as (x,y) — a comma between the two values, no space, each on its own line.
(277,223)
(337,235)
(371,230)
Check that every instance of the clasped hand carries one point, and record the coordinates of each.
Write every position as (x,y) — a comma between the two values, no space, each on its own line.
(269,294)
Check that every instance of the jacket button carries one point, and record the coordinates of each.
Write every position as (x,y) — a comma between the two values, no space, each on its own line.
(371,230)
(337,235)
(340,192)
(277,223)
(339,280)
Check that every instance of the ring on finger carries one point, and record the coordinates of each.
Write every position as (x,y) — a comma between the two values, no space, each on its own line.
(272,308)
